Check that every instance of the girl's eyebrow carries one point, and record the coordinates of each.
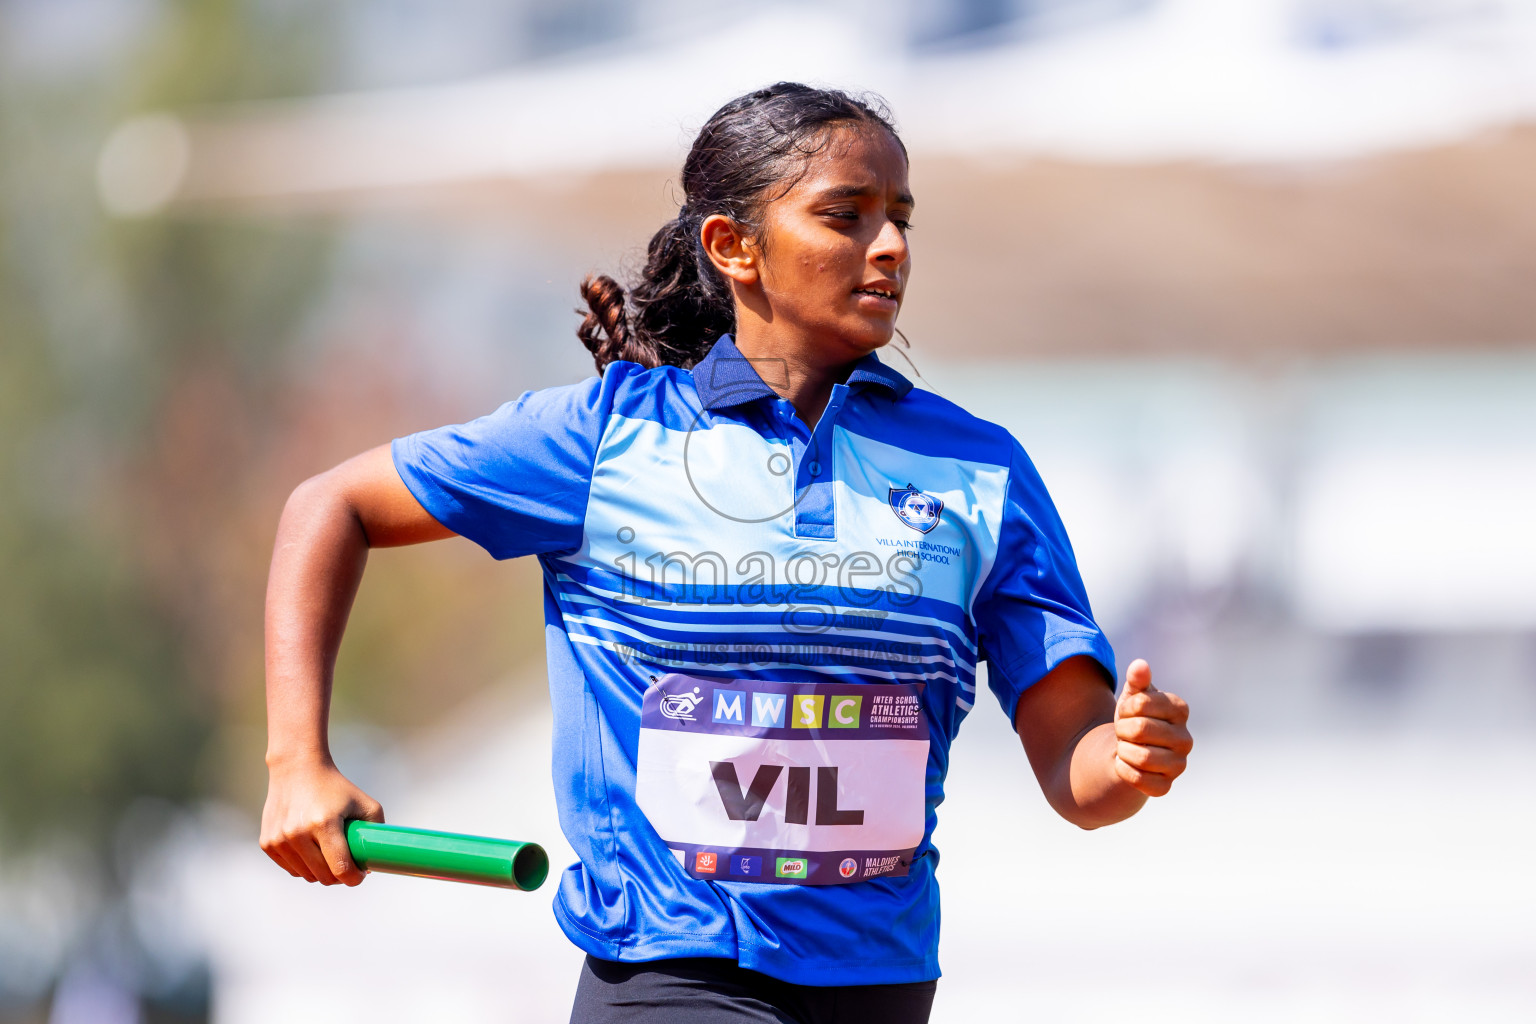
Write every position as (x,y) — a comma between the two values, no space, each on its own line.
(859,192)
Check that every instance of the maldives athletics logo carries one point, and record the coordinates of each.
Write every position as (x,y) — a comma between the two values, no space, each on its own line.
(918,510)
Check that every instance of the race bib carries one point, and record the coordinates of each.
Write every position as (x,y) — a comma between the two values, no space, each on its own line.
(799,783)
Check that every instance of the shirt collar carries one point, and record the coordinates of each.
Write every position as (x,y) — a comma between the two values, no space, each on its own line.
(725,377)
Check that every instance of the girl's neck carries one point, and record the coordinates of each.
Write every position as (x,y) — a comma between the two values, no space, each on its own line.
(800,370)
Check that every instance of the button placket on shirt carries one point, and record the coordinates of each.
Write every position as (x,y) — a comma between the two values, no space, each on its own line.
(815,515)
(792,430)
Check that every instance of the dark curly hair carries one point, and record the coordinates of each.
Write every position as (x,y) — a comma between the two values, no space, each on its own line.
(745,156)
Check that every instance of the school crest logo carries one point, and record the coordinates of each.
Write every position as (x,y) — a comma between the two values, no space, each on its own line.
(918,510)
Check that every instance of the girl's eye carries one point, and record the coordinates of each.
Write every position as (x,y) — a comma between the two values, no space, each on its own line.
(902,225)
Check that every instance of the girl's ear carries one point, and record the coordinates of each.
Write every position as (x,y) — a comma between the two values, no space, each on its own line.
(729,249)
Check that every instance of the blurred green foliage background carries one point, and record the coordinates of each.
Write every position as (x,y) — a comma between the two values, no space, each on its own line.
(114,638)
(157,403)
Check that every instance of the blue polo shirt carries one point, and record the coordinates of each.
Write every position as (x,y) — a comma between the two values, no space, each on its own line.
(703,550)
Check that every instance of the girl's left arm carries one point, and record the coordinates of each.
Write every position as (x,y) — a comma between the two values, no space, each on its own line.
(1099,759)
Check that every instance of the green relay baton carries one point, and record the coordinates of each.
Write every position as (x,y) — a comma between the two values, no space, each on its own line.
(447,855)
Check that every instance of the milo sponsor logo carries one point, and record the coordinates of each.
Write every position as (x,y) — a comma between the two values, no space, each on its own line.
(791,867)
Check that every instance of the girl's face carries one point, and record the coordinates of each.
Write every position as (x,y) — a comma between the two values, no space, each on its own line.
(832,256)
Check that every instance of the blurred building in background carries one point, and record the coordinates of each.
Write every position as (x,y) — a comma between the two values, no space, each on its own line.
(1250,279)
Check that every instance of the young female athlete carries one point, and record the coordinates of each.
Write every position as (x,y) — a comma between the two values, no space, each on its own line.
(771,569)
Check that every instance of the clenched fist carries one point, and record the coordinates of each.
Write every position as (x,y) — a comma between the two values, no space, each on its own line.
(1152,733)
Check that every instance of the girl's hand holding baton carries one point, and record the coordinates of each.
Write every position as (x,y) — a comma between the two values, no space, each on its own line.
(304,824)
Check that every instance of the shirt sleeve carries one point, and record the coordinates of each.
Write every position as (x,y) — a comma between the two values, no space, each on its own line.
(516,482)
(1032,611)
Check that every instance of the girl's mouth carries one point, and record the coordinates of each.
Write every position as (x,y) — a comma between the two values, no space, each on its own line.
(878,299)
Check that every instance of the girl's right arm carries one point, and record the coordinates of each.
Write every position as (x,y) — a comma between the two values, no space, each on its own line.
(327,527)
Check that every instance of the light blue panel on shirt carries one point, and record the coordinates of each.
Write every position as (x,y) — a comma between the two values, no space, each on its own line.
(720,488)
(954,556)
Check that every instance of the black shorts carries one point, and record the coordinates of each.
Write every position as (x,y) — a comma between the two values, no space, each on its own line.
(706,990)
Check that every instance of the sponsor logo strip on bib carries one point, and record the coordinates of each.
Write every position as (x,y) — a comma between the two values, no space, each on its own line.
(791,783)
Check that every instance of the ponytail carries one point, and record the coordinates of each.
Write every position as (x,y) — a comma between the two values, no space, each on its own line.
(671,317)
(681,305)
